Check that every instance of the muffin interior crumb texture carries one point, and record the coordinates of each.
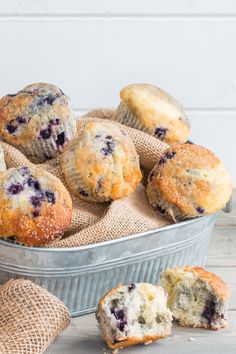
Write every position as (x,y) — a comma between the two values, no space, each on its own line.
(193,301)
(133,314)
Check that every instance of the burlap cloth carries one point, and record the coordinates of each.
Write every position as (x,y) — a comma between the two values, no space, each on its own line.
(92,223)
(30,318)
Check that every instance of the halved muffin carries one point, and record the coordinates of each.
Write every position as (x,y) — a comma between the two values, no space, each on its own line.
(196,297)
(133,314)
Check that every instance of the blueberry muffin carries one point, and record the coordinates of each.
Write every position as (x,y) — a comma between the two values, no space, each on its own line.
(153,111)
(35,207)
(101,164)
(2,160)
(38,120)
(188,181)
(196,298)
(134,314)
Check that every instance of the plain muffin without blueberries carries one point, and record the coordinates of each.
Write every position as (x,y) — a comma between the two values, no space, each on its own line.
(35,207)
(152,110)
(101,164)
(134,314)
(196,298)
(38,120)
(188,181)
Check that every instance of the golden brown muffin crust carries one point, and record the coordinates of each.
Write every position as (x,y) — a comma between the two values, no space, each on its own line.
(132,341)
(190,178)
(157,113)
(17,220)
(102,162)
(38,120)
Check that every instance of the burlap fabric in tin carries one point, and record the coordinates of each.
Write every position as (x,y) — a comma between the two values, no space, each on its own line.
(30,318)
(92,223)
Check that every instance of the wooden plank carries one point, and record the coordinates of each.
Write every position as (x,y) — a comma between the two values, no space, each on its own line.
(92,59)
(228,220)
(228,274)
(222,248)
(82,337)
(108,7)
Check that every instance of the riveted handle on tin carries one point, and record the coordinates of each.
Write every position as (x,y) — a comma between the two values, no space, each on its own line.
(228,207)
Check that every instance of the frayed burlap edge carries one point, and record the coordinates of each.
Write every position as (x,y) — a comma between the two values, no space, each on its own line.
(30,318)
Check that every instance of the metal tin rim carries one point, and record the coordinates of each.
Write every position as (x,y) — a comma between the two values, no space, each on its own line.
(103,243)
(75,270)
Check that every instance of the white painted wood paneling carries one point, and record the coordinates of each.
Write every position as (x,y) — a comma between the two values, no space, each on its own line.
(107,7)
(216,131)
(92,59)
(93,48)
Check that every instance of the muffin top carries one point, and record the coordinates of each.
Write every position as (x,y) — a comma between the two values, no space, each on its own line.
(33,113)
(35,207)
(189,181)
(101,164)
(160,114)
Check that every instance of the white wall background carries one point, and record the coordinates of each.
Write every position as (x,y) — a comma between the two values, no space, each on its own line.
(92,48)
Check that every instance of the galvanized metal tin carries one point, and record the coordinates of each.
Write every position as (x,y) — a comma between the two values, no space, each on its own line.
(80,276)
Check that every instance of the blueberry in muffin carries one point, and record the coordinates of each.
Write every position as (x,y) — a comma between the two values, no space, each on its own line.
(188,181)
(38,120)
(134,314)
(196,297)
(150,109)
(101,164)
(35,207)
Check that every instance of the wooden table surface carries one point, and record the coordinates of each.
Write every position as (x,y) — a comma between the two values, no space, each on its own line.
(82,336)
